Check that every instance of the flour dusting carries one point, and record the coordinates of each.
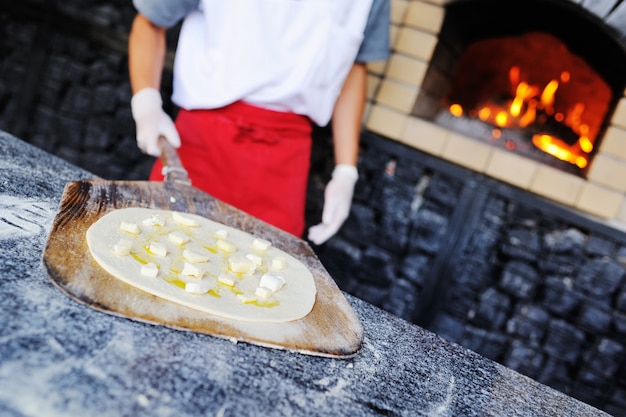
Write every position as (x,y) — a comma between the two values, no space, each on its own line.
(21,218)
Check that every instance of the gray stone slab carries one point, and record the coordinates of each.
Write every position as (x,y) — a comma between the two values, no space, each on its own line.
(61,358)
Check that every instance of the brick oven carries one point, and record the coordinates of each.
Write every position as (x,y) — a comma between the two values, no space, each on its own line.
(536,85)
(577,44)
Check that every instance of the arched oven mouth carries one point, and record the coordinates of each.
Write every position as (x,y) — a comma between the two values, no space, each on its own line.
(541,78)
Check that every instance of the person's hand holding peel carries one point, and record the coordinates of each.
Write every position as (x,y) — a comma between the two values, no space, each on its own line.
(151,121)
(337,202)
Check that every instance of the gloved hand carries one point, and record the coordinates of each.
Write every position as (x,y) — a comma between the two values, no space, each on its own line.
(337,203)
(151,121)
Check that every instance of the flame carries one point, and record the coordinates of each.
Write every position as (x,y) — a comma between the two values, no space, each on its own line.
(547,96)
(502,119)
(522,111)
(557,148)
(456,110)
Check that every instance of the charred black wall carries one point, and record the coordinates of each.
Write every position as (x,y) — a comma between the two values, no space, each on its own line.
(514,277)
(64,82)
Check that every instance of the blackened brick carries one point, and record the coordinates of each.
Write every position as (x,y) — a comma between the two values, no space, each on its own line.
(563,340)
(519,279)
(600,277)
(559,297)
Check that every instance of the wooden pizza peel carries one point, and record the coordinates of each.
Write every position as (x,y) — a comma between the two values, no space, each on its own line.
(331,329)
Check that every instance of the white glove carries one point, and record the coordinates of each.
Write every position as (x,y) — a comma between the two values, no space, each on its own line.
(151,121)
(337,203)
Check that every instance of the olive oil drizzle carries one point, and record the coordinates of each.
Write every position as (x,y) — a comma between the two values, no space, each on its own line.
(145,256)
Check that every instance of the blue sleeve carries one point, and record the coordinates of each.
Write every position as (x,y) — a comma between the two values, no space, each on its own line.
(375,46)
(166,13)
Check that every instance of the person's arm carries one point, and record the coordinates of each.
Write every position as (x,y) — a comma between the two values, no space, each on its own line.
(348,116)
(146,54)
(146,58)
(346,126)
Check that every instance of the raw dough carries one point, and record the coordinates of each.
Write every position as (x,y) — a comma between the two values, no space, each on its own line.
(129,243)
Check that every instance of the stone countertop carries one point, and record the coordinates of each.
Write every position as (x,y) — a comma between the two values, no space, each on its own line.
(61,358)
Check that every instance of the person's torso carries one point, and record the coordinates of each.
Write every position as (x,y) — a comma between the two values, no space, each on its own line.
(287,55)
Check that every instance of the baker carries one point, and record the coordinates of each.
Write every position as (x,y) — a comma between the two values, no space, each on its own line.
(250,79)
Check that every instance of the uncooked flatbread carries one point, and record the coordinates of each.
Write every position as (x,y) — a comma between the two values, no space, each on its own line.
(193,252)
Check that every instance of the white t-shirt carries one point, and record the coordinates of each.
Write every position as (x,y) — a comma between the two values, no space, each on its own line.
(286,55)
(282,54)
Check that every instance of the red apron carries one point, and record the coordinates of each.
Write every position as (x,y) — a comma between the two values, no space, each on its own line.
(252,158)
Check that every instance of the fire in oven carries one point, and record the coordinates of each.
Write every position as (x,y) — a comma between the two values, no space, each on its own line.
(541,79)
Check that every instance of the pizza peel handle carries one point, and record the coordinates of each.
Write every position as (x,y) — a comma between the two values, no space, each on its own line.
(173,169)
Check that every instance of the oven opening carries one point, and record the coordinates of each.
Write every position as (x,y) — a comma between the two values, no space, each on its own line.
(542,81)
(530,91)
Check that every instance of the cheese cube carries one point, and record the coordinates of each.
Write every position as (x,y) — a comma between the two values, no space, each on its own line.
(240,264)
(178,237)
(131,228)
(272,282)
(194,257)
(263,292)
(154,220)
(158,249)
(201,287)
(226,279)
(184,220)
(150,270)
(279,263)
(221,233)
(192,270)
(261,244)
(122,248)
(256,259)
(246,298)
(226,245)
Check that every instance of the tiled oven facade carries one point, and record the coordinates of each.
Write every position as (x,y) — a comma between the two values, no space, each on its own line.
(394,87)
